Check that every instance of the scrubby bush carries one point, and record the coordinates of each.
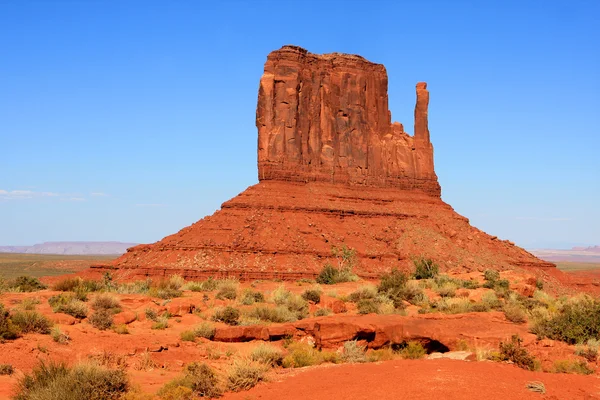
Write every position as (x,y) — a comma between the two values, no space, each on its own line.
(267,354)
(205,330)
(26,284)
(67,284)
(151,314)
(572,367)
(31,322)
(188,336)
(365,292)
(293,302)
(244,374)
(331,275)
(425,268)
(167,288)
(199,379)
(323,312)
(59,336)
(491,275)
(8,330)
(514,312)
(6,369)
(367,307)
(101,319)
(412,350)
(392,283)
(106,301)
(83,381)
(577,322)
(272,314)
(121,329)
(312,295)
(448,289)
(228,315)
(204,286)
(352,352)
(160,324)
(250,297)
(29,304)
(301,355)
(68,304)
(588,351)
(514,351)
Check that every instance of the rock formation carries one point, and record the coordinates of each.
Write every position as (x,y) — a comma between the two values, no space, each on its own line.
(334,171)
(325,118)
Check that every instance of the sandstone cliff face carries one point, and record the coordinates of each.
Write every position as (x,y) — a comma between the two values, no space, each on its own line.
(326,118)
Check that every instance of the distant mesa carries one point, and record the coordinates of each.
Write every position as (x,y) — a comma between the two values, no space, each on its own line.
(333,171)
(589,254)
(71,248)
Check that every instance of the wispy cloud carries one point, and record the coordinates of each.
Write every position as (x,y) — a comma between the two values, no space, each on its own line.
(98,194)
(74,199)
(150,205)
(544,218)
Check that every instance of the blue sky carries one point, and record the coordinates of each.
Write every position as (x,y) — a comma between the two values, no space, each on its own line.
(125,120)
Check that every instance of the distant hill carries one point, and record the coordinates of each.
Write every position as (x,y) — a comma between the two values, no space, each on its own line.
(576,254)
(71,248)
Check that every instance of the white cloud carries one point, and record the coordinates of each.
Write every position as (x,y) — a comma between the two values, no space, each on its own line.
(3,192)
(150,205)
(75,199)
(26,194)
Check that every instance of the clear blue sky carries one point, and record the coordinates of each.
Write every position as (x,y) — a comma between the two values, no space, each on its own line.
(125,120)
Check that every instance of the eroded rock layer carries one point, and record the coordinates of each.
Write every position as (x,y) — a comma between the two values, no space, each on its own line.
(293,227)
(326,118)
(334,172)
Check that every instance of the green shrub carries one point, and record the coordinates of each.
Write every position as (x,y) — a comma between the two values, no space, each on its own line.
(267,354)
(589,351)
(151,314)
(26,284)
(323,312)
(392,283)
(425,268)
(513,351)
(31,322)
(106,301)
(272,314)
(101,319)
(29,304)
(8,331)
(160,324)
(365,292)
(250,297)
(244,375)
(83,381)
(312,295)
(330,275)
(491,275)
(67,284)
(301,355)
(367,307)
(514,312)
(469,284)
(188,336)
(59,336)
(198,379)
(204,286)
(228,315)
(353,352)
(412,350)
(205,330)
(572,367)
(6,369)
(68,304)
(448,289)
(121,329)
(227,292)
(576,323)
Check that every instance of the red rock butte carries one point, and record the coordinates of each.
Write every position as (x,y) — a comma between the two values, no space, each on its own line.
(333,171)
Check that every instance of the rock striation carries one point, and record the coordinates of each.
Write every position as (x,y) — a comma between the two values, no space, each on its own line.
(325,118)
(334,172)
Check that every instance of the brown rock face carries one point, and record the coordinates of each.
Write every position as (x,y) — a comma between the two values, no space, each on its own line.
(333,172)
(326,118)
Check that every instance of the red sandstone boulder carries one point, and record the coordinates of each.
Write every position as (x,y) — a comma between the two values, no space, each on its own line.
(124,318)
(524,289)
(179,307)
(63,319)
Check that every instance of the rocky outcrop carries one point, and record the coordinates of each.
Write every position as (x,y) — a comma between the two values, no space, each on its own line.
(334,172)
(326,118)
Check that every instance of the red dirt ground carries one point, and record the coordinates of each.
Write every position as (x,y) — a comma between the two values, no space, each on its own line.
(421,379)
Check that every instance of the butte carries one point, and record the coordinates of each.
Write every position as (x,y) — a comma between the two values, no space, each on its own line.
(333,171)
